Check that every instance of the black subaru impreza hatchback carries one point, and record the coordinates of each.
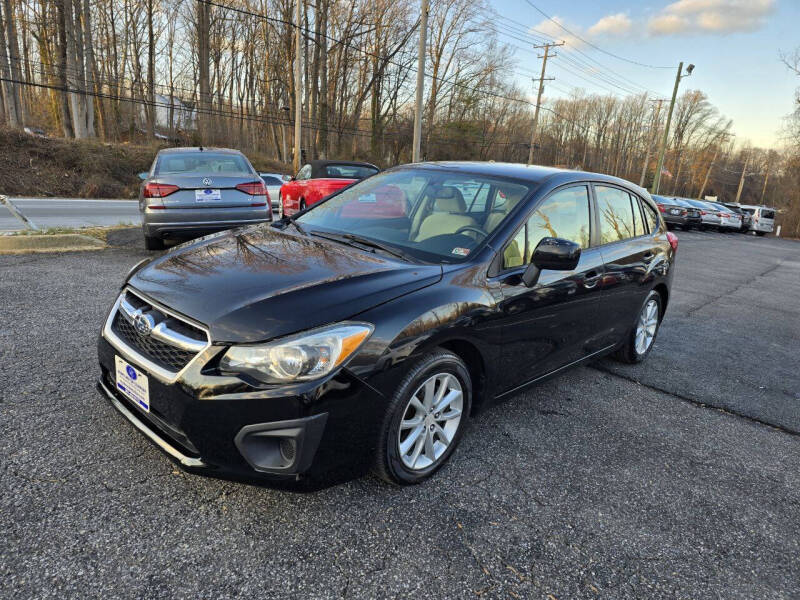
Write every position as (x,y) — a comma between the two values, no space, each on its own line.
(363,332)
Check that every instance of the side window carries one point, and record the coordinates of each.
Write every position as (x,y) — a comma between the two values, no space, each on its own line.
(616,214)
(564,214)
(304,173)
(638,223)
(650,217)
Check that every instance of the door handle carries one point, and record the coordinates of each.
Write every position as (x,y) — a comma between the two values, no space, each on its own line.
(591,279)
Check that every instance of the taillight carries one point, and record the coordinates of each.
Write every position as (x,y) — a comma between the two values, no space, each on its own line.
(258,204)
(159,190)
(684,212)
(673,240)
(702,212)
(661,207)
(254,188)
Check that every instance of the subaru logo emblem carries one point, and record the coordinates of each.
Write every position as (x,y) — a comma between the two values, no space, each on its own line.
(206,181)
(143,324)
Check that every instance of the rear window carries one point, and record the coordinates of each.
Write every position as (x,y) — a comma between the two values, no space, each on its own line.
(767,214)
(348,171)
(201,163)
(616,214)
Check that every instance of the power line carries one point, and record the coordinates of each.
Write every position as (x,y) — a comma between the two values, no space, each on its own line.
(588,43)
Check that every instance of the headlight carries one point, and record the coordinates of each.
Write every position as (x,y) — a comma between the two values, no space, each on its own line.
(300,357)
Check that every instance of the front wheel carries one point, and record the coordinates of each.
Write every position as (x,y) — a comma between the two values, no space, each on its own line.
(425,419)
(643,335)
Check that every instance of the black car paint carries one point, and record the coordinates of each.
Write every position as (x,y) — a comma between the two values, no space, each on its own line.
(260,283)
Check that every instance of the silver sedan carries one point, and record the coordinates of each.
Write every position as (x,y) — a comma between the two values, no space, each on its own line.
(192,191)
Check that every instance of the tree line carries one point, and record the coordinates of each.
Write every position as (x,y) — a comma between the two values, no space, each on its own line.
(219,72)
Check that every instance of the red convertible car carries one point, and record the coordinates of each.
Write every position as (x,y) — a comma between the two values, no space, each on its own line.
(319,179)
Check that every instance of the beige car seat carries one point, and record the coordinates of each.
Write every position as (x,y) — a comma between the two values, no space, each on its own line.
(448,216)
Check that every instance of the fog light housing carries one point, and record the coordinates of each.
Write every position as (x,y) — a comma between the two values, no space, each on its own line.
(281,446)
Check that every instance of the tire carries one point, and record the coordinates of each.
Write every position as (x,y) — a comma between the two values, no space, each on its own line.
(391,464)
(631,352)
(761,233)
(153,242)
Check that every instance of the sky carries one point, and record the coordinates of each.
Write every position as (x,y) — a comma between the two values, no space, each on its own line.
(735,46)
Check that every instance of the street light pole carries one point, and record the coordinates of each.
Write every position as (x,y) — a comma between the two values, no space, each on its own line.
(423,31)
(660,167)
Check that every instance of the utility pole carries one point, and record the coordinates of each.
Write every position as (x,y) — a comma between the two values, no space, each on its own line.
(539,96)
(652,142)
(298,87)
(741,180)
(423,32)
(660,167)
(764,189)
(708,174)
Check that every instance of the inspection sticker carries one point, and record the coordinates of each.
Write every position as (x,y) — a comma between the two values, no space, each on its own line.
(133,383)
(460,251)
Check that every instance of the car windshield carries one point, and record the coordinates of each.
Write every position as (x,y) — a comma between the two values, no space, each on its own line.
(348,171)
(431,214)
(192,163)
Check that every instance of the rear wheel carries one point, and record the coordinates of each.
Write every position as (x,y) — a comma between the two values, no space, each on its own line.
(152,242)
(760,233)
(643,335)
(425,419)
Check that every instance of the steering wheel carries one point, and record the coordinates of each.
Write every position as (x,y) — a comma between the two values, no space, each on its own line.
(473,229)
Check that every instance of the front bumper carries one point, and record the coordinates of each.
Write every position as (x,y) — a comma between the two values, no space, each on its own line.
(307,437)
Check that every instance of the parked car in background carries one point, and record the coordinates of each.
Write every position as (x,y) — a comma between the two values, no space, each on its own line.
(319,179)
(728,219)
(709,216)
(746,216)
(673,211)
(342,340)
(273,183)
(693,218)
(193,191)
(763,218)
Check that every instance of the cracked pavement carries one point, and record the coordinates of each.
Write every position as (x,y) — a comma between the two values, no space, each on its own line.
(674,478)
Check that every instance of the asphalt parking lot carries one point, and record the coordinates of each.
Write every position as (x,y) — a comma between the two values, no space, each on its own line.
(675,478)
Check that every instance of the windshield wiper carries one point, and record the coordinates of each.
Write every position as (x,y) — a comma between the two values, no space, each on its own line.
(286,220)
(354,240)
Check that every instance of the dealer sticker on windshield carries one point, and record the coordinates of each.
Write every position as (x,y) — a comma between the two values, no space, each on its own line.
(207,195)
(460,251)
(133,383)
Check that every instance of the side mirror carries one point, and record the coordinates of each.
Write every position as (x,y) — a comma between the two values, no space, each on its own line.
(143,175)
(290,178)
(286,177)
(554,254)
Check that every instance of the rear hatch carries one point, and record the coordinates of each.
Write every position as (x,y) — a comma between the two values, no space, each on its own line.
(208,191)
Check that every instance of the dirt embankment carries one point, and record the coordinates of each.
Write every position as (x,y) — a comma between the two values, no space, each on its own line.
(33,166)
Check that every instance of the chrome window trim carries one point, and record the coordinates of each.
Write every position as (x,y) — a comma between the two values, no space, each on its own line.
(131,355)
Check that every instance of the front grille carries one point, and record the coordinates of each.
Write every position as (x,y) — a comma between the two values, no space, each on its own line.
(163,354)
(186,339)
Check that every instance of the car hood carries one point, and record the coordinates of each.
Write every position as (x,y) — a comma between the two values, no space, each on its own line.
(260,283)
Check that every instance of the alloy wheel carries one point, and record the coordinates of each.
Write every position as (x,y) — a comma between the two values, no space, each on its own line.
(646,326)
(430,421)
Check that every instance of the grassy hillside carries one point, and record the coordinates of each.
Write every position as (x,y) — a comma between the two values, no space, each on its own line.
(31,166)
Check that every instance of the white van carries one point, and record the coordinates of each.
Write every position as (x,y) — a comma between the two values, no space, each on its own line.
(763,220)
